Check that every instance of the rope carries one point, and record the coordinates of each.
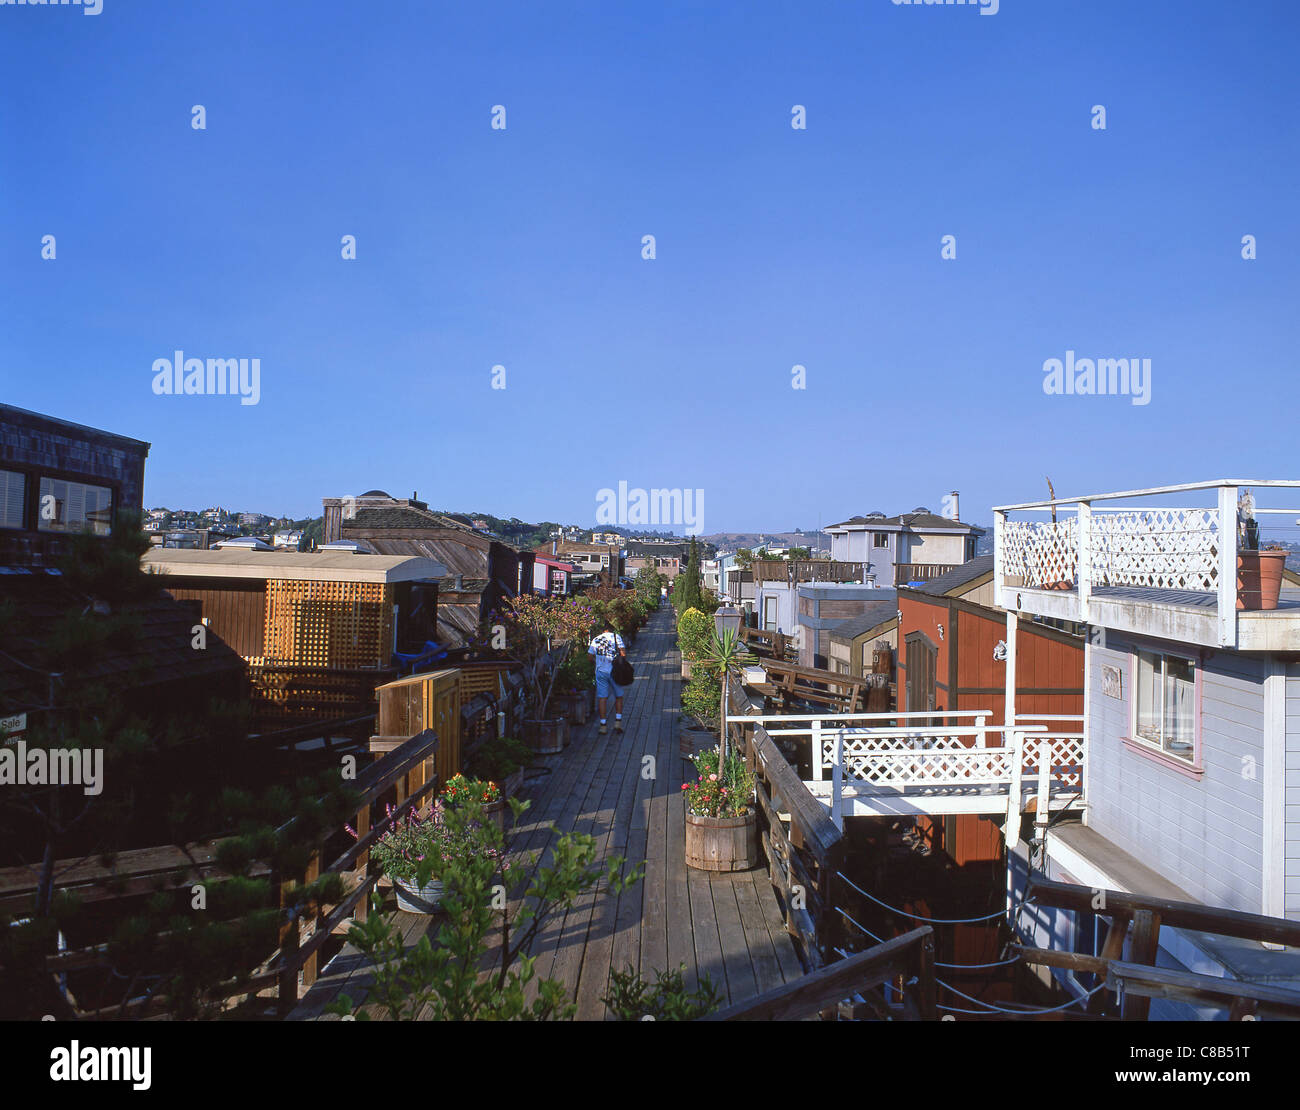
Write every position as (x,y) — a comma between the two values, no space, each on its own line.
(918,917)
(1029,1010)
(863,928)
(980,967)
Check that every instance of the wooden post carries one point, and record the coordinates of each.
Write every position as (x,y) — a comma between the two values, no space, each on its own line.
(310,964)
(1145,941)
(1227,584)
(926,996)
(1044,783)
(981,740)
(363,860)
(817,751)
(1017,754)
(837,788)
(287,981)
(1083,571)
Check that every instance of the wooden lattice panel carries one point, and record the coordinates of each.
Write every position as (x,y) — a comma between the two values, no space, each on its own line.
(329,624)
(1172,549)
(1040,552)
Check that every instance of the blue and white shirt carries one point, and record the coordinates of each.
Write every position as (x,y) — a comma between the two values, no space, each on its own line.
(605,648)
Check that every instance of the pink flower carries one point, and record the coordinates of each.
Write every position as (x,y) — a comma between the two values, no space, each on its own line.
(713,778)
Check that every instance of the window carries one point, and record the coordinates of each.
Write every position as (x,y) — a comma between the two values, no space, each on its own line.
(12,488)
(879,539)
(74,507)
(1164,704)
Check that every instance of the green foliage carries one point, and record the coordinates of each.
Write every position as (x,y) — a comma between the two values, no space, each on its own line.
(577,672)
(497,758)
(702,695)
(477,967)
(632,998)
(648,584)
(726,794)
(694,635)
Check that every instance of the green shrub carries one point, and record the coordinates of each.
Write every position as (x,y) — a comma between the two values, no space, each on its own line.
(631,998)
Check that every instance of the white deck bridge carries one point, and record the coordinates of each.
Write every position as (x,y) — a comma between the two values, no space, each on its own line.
(892,764)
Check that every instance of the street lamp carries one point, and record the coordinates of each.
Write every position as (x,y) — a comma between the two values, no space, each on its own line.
(726,630)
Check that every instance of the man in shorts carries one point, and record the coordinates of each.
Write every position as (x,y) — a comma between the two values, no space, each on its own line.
(606,647)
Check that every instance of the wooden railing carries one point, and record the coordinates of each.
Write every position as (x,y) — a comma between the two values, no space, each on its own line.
(908,958)
(1137,920)
(406,773)
(792,683)
(803,860)
(285,695)
(920,572)
(770,644)
(807,570)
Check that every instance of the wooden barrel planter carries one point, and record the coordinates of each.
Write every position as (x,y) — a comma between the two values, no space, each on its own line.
(722,843)
(547,737)
(573,706)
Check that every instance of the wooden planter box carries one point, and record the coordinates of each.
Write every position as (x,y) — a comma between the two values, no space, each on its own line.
(573,706)
(722,843)
(547,737)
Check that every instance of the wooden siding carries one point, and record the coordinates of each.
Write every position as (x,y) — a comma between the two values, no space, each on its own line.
(1204,835)
(235,610)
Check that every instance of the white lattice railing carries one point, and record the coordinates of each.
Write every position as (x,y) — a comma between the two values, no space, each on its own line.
(1042,554)
(1172,549)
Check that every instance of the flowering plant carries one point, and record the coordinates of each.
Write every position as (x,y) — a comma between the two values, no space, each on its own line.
(725,793)
(418,848)
(459,788)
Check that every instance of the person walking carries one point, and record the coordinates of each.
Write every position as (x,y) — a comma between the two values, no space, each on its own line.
(606,648)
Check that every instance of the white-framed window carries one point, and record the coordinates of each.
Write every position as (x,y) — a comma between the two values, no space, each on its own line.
(66,506)
(1165,713)
(879,539)
(13,487)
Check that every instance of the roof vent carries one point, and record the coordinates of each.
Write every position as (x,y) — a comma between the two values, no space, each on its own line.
(921,509)
(375,493)
(875,514)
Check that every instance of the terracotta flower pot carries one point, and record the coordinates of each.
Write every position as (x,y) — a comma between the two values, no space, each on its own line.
(1259,578)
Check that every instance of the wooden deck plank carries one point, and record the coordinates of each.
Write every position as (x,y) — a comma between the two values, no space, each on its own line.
(728,926)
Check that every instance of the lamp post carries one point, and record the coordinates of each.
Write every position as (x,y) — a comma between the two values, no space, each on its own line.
(726,630)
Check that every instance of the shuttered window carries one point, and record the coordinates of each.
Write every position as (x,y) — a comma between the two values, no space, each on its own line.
(12,488)
(74,507)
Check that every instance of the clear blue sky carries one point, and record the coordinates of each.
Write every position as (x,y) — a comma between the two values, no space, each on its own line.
(775,247)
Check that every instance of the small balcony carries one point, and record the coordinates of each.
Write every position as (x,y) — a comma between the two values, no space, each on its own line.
(920,572)
(1161,567)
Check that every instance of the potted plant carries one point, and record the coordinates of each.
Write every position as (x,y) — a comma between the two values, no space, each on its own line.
(535,627)
(486,793)
(501,759)
(577,675)
(721,820)
(1259,571)
(415,850)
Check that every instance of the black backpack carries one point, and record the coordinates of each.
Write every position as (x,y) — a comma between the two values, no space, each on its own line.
(622,671)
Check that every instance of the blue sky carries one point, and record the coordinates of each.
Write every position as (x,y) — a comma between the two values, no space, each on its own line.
(775,247)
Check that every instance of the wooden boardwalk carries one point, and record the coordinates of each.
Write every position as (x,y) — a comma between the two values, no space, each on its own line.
(728,927)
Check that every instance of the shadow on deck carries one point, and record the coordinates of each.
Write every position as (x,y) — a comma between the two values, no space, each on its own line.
(728,927)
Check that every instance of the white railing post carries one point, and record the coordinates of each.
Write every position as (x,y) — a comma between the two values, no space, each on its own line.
(981,741)
(1012,830)
(837,789)
(1083,570)
(817,751)
(1227,592)
(999,559)
(1009,706)
(1044,784)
